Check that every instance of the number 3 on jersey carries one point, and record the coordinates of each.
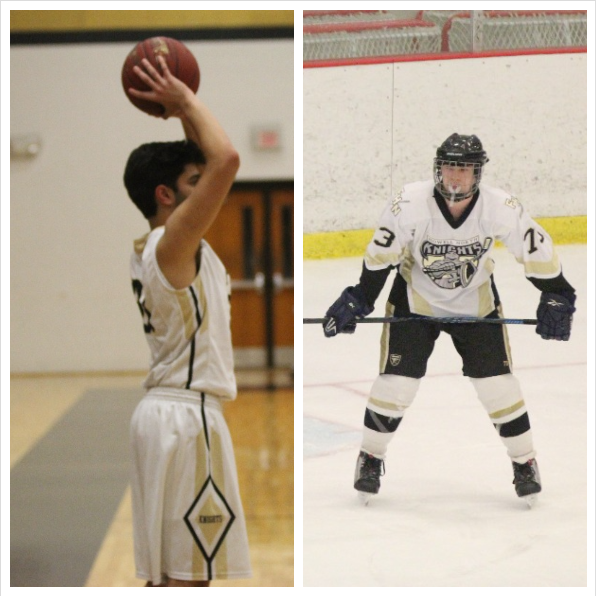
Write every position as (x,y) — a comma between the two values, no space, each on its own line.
(384,237)
(137,288)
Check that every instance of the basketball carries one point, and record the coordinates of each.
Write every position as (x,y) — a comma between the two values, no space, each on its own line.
(180,60)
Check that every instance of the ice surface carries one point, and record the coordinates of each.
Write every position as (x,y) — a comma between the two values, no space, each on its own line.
(447,513)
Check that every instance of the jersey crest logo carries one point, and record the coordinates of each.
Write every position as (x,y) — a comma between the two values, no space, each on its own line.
(452,264)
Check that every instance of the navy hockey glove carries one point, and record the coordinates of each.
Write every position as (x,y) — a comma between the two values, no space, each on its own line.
(342,314)
(555,314)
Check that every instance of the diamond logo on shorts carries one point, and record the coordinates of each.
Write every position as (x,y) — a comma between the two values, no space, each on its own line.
(395,359)
(209,519)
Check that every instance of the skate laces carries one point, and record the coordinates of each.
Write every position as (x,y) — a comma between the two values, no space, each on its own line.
(524,472)
(371,466)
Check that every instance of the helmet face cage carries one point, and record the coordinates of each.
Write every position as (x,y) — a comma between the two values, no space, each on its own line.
(459,196)
(461,151)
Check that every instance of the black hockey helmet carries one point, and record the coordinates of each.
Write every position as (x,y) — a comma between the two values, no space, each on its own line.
(459,150)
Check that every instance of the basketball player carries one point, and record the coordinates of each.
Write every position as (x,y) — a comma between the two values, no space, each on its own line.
(189,525)
(439,235)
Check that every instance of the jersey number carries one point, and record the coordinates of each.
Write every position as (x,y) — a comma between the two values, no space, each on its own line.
(531,233)
(387,238)
(137,288)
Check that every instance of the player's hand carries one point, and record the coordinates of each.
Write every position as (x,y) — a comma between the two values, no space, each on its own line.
(343,313)
(555,315)
(166,89)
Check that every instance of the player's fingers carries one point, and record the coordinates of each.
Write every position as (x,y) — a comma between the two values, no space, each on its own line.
(167,76)
(153,72)
(141,94)
(144,76)
(163,64)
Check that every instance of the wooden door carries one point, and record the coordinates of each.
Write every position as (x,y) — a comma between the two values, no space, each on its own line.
(254,237)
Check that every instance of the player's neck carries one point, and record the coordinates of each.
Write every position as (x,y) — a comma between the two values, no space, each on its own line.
(457,209)
(160,218)
(156,222)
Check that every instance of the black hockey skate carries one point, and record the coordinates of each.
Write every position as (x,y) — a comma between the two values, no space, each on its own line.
(526,478)
(369,470)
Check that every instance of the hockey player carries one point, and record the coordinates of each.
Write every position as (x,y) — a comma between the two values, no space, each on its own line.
(439,235)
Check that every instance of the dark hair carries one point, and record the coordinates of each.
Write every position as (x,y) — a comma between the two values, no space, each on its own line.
(153,164)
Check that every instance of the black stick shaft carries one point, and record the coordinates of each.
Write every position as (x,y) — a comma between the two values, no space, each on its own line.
(457,320)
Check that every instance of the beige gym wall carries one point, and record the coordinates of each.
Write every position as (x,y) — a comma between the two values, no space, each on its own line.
(71,223)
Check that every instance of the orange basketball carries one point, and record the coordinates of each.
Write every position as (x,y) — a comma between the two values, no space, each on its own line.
(180,60)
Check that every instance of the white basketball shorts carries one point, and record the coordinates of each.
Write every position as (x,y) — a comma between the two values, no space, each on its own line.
(188,520)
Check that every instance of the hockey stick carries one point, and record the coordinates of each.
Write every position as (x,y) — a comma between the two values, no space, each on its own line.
(457,320)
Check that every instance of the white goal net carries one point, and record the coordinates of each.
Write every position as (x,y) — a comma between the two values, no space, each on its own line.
(345,34)
(387,37)
(514,30)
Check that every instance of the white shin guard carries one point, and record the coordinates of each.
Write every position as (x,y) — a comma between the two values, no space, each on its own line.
(502,399)
(389,397)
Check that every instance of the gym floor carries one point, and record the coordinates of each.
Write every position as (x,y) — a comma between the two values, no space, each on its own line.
(71,521)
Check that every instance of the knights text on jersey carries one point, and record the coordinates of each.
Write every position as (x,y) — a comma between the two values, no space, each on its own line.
(448,267)
(188,330)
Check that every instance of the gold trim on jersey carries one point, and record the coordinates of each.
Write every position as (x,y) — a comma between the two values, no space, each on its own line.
(421,305)
(220,568)
(187,309)
(202,456)
(550,268)
(405,267)
(139,244)
(489,266)
(485,299)
(202,298)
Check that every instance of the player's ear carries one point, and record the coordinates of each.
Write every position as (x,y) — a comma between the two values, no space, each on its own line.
(164,196)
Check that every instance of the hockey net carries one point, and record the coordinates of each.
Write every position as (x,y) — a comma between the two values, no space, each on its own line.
(373,37)
(322,17)
(347,34)
(514,30)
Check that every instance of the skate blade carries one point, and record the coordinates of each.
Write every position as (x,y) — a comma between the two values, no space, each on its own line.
(364,497)
(531,500)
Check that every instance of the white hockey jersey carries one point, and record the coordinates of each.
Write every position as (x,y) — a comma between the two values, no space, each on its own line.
(188,330)
(448,265)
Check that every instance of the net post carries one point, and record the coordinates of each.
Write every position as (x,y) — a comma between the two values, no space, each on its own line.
(477,30)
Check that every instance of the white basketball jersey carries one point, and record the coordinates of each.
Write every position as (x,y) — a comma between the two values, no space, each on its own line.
(188,330)
(448,266)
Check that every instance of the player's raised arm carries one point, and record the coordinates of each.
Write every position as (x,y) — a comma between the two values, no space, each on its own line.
(189,210)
